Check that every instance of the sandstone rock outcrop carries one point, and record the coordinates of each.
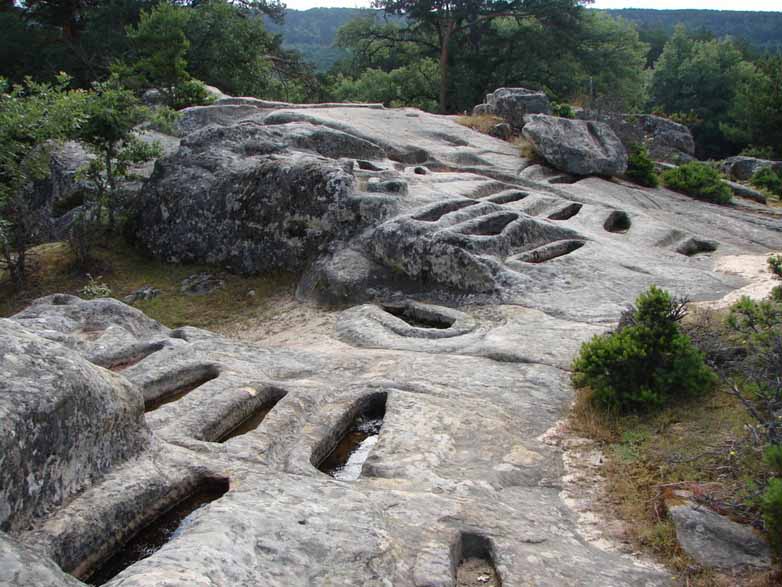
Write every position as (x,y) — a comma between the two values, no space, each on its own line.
(473,277)
(513,104)
(576,146)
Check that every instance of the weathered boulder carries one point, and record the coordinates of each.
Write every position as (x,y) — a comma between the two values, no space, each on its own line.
(146,292)
(513,104)
(57,200)
(63,424)
(502,131)
(743,168)
(237,196)
(54,197)
(716,541)
(200,284)
(746,191)
(665,139)
(577,146)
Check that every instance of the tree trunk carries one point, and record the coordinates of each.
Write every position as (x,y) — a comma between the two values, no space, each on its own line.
(112,191)
(444,78)
(445,41)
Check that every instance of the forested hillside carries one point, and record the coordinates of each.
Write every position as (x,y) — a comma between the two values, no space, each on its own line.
(722,86)
(762,30)
(312,32)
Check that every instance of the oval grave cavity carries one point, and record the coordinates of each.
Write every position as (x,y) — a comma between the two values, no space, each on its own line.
(347,458)
(163,529)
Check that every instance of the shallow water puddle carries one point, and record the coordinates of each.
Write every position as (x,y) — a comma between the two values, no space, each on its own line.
(347,459)
(164,529)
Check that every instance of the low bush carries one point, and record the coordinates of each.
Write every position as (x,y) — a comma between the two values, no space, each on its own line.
(775,265)
(767,179)
(164,119)
(562,110)
(646,362)
(771,504)
(192,92)
(95,288)
(698,180)
(640,167)
(759,152)
(756,380)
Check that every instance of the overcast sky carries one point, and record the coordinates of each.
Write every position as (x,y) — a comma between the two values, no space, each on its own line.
(775,5)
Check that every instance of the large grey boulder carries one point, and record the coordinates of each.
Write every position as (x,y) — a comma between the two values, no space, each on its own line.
(577,146)
(743,168)
(252,197)
(53,198)
(716,541)
(63,424)
(666,140)
(513,104)
(57,200)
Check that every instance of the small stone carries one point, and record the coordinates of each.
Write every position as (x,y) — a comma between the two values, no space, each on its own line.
(714,540)
(200,284)
(143,293)
(501,131)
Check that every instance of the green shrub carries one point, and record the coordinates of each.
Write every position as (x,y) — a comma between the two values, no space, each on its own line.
(164,119)
(562,110)
(771,504)
(698,180)
(776,294)
(95,288)
(192,92)
(759,152)
(640,167)
(767,179)
(647,361)
(775,265)
(773,458)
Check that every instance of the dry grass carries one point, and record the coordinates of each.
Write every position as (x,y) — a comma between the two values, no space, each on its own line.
(694,442)
(485,122)
(526,149)
(482,123)
(124,270)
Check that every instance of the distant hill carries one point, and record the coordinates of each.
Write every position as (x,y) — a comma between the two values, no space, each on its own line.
(312,31)
(762,30)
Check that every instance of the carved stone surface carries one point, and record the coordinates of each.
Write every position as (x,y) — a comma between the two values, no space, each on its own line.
(468,278)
